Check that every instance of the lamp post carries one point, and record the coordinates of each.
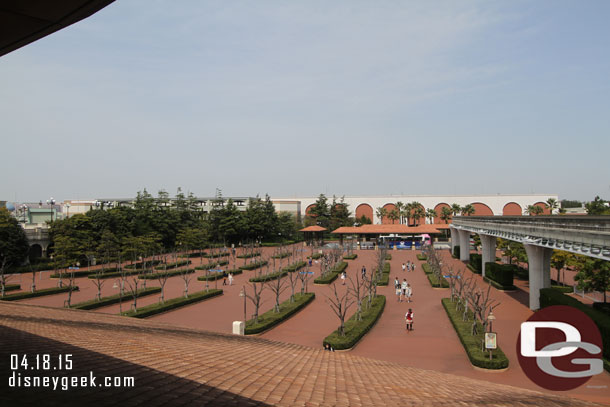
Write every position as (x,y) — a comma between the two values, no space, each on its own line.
(51,202)
(24,210)
(491,317)
(242,293)
(67,210)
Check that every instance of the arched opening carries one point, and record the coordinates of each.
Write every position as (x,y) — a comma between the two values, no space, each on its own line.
(386,220)
(439,210)
(480,209)
(365,210)
(308,209)
(545,210)
(512,209)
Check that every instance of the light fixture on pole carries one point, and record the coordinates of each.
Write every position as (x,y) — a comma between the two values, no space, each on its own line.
(242,293)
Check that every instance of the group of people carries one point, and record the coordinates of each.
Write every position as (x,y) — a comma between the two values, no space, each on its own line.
(225,276)
(408,266)
(403,290)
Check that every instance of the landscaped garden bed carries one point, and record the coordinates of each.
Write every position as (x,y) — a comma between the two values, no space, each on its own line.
(433,278)
(217,255)
(500,276)
(179,263)
(422,257)
(254,266)
(210,266)
(332,274)
(473,343)
(114,299)
(217,276)
(282,255)
(113,274)
(38,293)
(350,257)
(271,318)
(355,330)
(77,273)
(173,303)
(154,276)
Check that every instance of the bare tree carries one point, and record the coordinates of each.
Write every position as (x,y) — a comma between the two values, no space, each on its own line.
(277,286)
(304,276)
(293,279)
(356,288)
(255,297)
(4,277)
(99,281)
(70,289)
(133,283)
(186,275)
(340,304)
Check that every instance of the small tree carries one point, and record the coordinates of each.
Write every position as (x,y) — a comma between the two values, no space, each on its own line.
(277,286)
(255,297)
(304,276)
(293,279)
(340,304)
(14,246)
(551,204)
(356,289)
(593,275)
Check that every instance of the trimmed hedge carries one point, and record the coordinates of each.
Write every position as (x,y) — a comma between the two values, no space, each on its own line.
(271,318)
(566,289)
(602,307)
(295,266)
(254,266)
(115,274)
(385,275)
(174,265)
(275,244)
(268,277)
(475,271)
(77,273)
(217,255)
(193,255)
(551,296)
(218,276)
(520,272)
(332,274)
(350,257)
(433,279)
(171,304)
(249,255)
(422,257)
(282,255)
(355,330)
(38,293)
(388,257)
(140,265)
(316,256)
(210,266)
(475,263)
(172,273)
(502,274)
(12,287)
(114,299)
(456,252)
(472,344)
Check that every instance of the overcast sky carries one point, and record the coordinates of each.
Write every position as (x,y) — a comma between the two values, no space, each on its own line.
(300,98)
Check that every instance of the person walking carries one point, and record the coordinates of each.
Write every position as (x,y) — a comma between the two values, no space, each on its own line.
(403,289)
(363,272)
(404,267)
(409,319)
(230,278)
(343,276)
(224,278)
(412,266)
(409,292)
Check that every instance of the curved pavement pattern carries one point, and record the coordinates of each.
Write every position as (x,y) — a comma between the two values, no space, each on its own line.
(176,366)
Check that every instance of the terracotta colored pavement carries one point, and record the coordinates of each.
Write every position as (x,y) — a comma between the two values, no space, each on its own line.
(176,366)
(434,344)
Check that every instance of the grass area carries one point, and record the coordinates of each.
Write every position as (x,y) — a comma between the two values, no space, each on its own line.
(38,293)
(355,330)
(115,274)
(175,265)
(254,266)
(350,257)
(433,279)
(332,274)
(114,299)
(218,276)
(271,318)
(472,344)
(172,304)
(154,276)
(422,257)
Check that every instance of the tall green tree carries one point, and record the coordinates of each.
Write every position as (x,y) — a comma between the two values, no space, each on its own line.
(552,205)
(446,214)
(431,214)
(597,207)
(593,275)
(320,212)
(468,210)
(14,245)
(456,209)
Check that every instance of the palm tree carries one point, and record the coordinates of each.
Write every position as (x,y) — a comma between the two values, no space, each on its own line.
(431,214)
(551,204)
(381,213)
(399,208)
(468,210)
(393,215)
(455,209)
(406,212)
(418,213)
(446,214)
(533,210)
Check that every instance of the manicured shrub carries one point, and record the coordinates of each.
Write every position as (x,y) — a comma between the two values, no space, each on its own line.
(422,257)
(456,252)
(268,277)
(332,274)
(316,256)
(114,274)
(385,275)
(350,257)
(282,255)
(254,266)
(77,273)
(179,263)
(502,274)
(520,272)
(141,264)
(171,304)
(433,279)
(12,287)
(295,266)
(565,289)
(355,330)
(388,257)
(475,263)
(472,343)
(154,276)
(114,299)
(271,318)
(210,266)
(217,255)
(218,276)
(194,255)
(551,296)
(249,255)
(38,293)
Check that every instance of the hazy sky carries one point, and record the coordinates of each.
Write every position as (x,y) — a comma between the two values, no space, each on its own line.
(301,98)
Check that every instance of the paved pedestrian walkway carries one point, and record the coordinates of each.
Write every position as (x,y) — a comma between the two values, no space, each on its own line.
(176,366)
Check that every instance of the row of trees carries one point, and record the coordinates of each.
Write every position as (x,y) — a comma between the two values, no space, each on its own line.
(329,215)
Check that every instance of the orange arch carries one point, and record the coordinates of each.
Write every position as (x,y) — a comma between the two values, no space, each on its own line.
(438,209)
(545,210)
(512,209)
(388,207)
(480,209)
(364,210)
(308,210)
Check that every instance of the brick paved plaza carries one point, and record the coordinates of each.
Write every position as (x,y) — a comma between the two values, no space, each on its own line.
(188,356)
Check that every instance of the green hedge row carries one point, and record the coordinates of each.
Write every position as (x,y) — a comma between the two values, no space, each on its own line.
(475,263)
(171,304)
(210,266)
(385,275)
(282,255)
(295,266)
(567,289)
(355,330)
(114,274)
(114,299)
(332,274)
(77,273)
(472,344)
(38,293)
(12,287)
(502,274)
(271,318)
(268,277)
(218,276)
(174,265)
(456,252)
(217,255)
(422,257)
(154,276)
(433,279)
(350,257)
(316,256)
(194,255)
(141,264)
(248,256)
(254,266)
(275,244)
(388,257)
(43,265)
(550,296)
